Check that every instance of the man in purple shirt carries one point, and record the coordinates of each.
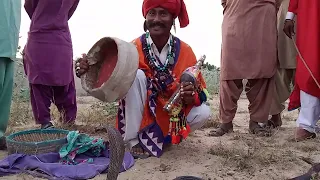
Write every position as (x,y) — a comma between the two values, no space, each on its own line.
(48,59)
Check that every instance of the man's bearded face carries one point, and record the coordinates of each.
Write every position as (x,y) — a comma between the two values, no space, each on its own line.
(159,21)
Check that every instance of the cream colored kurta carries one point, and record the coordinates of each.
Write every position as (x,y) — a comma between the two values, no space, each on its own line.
(287,63)
(286,50)
(249,39)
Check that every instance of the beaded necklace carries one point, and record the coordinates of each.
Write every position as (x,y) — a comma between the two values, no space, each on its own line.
(162,77)
(154,60)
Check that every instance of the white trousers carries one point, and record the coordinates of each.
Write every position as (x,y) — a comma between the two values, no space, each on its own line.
(309,112)
(135,102)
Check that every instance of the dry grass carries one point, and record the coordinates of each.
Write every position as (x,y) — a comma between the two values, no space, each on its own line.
(242,153)
(250,154)
(245,155)
(90,116)
(213,122)
(21,117)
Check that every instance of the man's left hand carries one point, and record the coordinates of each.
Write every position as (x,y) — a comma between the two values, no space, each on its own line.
(187,92)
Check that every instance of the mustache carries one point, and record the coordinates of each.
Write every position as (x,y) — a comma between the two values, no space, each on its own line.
(153,24)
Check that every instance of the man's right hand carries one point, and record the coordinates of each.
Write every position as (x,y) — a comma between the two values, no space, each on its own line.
(288,28)
(82,66)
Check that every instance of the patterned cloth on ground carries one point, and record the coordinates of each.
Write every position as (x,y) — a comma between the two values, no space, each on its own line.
(78,144)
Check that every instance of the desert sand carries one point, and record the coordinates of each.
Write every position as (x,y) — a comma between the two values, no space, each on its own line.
(238,155)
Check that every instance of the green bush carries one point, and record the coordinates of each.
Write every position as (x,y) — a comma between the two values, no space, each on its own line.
(21,85)
(210,73)
(212,79)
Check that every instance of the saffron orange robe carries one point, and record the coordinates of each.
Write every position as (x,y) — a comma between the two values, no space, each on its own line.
(186,59)
(158,127)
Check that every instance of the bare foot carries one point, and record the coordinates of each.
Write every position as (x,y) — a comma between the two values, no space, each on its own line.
(255,128)
(275,121)
(222,130)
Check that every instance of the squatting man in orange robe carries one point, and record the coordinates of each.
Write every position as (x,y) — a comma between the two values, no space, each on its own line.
(162,59)
(306,93)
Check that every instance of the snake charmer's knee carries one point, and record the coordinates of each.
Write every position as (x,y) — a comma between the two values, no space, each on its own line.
(198,116)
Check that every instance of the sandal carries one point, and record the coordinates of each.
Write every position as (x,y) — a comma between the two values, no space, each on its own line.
(222,130)
(255,128)
(47,126)
(139,153)
(302,134)
(275,121)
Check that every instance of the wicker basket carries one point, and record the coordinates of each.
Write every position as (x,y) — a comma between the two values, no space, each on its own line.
(37,141)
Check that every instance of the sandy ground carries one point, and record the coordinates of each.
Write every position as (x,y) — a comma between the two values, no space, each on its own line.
(238,155)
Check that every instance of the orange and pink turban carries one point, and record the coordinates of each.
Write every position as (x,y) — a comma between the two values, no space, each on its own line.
(176,7)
